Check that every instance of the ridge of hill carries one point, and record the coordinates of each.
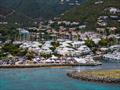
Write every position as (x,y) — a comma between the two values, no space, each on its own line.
(34,9)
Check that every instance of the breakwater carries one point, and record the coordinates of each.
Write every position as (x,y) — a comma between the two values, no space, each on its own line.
(46,65)
(97,76)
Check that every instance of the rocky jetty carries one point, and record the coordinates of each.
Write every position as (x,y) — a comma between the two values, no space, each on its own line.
(48,65)
(110,76)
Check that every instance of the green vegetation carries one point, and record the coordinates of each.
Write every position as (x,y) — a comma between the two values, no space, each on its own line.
(104,42)
(8,32)
(55,44)
(20,18)
(90,43)
(45,55)
(30,55)
(89,12)
(35,8)
(2,55)
(114,74)
(55,26)
(109,76)
(12,49)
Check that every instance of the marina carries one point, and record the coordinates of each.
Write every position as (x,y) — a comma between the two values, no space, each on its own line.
(59,45)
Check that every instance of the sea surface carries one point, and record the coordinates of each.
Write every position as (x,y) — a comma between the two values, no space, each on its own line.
(52,79)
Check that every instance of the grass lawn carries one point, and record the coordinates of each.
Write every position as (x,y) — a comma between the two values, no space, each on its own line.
(114,74)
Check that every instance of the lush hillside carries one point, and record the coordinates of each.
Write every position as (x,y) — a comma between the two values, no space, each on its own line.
(24,11)
(37,8)
(4,11)
(89,12)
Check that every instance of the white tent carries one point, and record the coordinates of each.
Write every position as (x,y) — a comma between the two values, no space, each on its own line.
(80,60)
(49,61)
(54,57)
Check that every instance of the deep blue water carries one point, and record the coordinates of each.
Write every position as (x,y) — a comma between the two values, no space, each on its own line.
(51,79)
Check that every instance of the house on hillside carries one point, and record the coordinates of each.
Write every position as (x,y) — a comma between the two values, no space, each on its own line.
(99,2)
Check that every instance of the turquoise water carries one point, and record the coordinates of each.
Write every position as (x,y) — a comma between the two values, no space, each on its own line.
(50,79)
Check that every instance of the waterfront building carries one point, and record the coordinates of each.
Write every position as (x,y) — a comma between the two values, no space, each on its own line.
(24,34)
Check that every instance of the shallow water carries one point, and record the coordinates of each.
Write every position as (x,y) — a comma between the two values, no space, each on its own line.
(51,79)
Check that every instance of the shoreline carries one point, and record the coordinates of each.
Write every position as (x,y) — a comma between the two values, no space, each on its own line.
(47,65)
(90,76)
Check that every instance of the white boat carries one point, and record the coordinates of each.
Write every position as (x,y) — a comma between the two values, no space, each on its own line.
(113,57)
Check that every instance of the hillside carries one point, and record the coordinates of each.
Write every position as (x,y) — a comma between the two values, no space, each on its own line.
(38,8)
(11,16)
(89,13)
(25,11)
(4,11)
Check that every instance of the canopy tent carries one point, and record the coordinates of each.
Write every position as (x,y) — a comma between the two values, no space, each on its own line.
(54,57)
